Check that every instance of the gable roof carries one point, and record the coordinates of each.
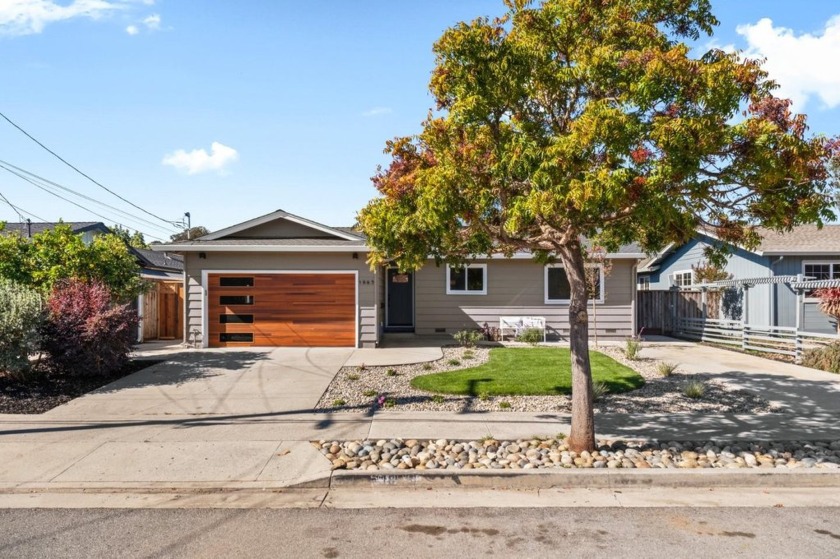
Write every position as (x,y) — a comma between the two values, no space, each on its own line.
(160,260)
(36,227)
(802,239)
(341,233)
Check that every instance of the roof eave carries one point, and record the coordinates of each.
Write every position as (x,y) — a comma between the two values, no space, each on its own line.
(258,248)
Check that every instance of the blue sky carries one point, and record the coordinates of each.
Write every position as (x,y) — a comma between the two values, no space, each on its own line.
(230,110)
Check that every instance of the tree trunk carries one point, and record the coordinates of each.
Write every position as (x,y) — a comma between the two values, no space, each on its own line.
(582,436)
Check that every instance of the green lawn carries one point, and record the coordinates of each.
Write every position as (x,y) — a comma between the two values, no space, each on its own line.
(528,372)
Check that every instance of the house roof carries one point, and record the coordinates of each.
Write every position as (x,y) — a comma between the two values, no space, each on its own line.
(40,226)
(341,233)
(803,239)
(159,260)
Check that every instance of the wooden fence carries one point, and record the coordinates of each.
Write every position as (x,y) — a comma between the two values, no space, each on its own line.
(658,312)
(162,317)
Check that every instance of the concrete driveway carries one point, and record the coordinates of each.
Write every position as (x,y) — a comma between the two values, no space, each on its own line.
(215,382)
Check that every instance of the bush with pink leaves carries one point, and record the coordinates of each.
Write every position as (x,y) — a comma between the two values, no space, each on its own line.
(86,333)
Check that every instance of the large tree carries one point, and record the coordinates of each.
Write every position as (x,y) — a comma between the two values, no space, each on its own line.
(574,119)
(60,254)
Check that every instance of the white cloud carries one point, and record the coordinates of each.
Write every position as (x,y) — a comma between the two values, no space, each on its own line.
(199,161)
(804,66)
(378,111)
(27,17)
(152,22)
(132,30)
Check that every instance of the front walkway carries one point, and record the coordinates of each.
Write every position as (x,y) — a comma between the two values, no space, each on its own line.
(216,418)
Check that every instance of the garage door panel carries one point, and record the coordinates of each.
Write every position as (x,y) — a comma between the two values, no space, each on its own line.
(286,310)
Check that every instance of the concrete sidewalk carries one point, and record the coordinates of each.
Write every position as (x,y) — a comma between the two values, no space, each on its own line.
(244,419)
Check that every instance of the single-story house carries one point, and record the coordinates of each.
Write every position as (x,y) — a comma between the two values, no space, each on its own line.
(283,280)
(161,308)
(806,250)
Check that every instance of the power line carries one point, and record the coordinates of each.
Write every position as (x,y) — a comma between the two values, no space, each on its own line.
(88,177)
(30,181)
(20,211)
(46,182)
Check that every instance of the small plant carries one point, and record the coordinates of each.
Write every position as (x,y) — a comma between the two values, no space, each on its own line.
(438,399)
(599,390)
(486,438)
(531,336)
(390,403)
(353,377)
(505,405)
(632,347)
(666,369)
(468,338)
(427,366)
(483,396)
(370,393)
(468,354)
(453,362)
(339,402)
(362,367)
(694,389)
(391,372)
(561,436)
(824,358)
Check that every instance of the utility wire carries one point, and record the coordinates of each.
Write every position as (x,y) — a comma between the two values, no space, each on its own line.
(88,177)
(20,211)
(30,181)
(46,182)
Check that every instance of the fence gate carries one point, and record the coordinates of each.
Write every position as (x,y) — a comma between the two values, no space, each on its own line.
(658,312)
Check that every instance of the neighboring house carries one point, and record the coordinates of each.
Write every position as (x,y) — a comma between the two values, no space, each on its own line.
(283,280)
(805,250)
(161,308)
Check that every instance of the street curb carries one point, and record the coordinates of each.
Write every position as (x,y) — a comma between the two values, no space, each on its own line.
(582,479)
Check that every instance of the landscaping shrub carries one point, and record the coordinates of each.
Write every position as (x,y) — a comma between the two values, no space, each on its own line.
(599,390)
(86,333)
(824,358)
(531,336)
(21,317)
(632,347)
(468,338)
(666,369)
(694,389)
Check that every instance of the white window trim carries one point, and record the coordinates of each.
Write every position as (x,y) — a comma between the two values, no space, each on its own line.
(467,291)
(643,283)
(680,272)
(832,263)
(548,301)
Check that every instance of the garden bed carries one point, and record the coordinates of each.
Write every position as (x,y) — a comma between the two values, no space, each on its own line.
(358,389)
(45,392)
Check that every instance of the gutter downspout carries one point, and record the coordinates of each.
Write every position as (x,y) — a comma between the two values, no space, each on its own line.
(773,319)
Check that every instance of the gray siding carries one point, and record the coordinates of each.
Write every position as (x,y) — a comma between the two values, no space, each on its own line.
(280,229)
(516,288)
(368,312)
(814,319)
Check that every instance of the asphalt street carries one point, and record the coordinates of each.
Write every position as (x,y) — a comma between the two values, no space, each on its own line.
(475,532)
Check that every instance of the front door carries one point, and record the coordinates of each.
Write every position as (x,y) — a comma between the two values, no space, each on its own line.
(399,290)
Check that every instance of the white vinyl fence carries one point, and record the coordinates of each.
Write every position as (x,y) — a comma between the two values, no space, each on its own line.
(782,340)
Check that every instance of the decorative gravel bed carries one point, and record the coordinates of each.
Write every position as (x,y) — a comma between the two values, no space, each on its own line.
(526,454)
(357,389)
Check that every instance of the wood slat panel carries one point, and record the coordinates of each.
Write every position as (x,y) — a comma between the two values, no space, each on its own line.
(289,310)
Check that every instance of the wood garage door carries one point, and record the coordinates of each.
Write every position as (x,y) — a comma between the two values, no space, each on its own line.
(296,310)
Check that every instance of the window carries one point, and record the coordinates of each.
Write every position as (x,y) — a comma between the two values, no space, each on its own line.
(644,283)
(558,290)
(467,280)
(820,271)
(684,278)
(236,300)
(236,282)
(236,337)
(236,319)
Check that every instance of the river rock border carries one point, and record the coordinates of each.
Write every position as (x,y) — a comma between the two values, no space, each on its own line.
(536,453)
(360,389)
